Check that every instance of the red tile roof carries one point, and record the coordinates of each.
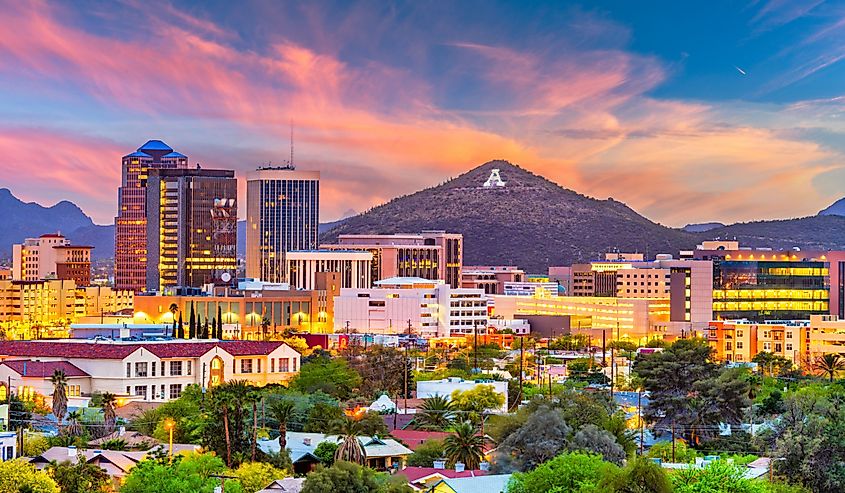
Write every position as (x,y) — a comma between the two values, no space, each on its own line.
(415,474)
(43,369)
(414,438)
(107,350)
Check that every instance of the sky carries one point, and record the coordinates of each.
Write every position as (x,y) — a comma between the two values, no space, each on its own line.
(686,111)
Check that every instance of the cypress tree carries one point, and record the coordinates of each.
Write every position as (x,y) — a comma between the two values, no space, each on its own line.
(218,329)
(175,332)
(192,324)
(181,334)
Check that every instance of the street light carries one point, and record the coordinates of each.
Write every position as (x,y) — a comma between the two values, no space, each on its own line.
(169,424)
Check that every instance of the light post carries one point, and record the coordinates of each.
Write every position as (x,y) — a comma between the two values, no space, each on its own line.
(169,424)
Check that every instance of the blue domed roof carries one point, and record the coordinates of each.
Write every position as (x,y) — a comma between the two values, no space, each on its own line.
(155,145)
(138,154)
(175,154)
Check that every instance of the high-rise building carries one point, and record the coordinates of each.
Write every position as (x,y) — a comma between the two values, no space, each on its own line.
(191,227)
(130,232)
(282,215)
(353,267)
(51,256)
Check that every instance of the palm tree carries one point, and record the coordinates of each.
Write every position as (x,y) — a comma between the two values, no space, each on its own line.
(464,445)
(59,381)
(109,404)
(74,428)
(435,414)
(114,444)
(282,411)
(349,448)
(173,309)
(829,364)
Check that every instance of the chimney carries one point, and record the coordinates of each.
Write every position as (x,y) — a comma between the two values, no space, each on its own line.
(459,467)
(306,441)
(71,451)
(440,464)
(24,367)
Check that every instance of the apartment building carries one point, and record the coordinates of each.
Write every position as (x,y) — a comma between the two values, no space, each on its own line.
(51,256)
(741,340)
(354,267)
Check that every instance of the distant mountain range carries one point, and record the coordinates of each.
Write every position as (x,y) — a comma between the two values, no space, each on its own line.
(531,222)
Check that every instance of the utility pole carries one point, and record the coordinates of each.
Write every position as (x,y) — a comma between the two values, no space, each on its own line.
(475,345)
(603,347)
(640,417)
(673,441)
(521,361)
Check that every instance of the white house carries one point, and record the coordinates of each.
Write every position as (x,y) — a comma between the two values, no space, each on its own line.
(445,387)
(8,445)
(382,453)
(145,371)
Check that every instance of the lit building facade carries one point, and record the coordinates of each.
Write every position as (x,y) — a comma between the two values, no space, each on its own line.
(354,267)
(130,232)
(243,311)
(432,255)
(397,305)
(491,278)
(192,217)
(282,215)
(826,335)
(51,256)
(741,340)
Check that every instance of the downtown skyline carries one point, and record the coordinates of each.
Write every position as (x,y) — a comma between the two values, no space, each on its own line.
(727,114)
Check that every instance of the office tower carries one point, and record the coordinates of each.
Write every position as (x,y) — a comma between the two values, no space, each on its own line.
(282,215)
(130,231)
(51,256)
(192,219)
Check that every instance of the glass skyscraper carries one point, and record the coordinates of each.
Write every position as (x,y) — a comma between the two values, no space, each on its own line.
(282,215)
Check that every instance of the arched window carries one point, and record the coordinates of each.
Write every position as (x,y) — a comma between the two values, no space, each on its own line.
(216,373)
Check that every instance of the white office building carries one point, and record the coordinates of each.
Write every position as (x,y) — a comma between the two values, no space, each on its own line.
(399,304)
(354,267)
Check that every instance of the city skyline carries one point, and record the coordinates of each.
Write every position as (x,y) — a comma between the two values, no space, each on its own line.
(605,99)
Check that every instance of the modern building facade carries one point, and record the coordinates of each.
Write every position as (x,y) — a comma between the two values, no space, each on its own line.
(491,278)
(741,340)
(251,314)
(402,304)
(432,255)
(282,215)
(353,266)
(130,232)
(51,256)
(154,371)
(192,217)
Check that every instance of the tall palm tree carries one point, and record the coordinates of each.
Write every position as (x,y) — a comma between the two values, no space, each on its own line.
(829,364)
(282,411)
(59,381)
(74,428)
(109,417)
(349,448)
(436,414)
(464,445)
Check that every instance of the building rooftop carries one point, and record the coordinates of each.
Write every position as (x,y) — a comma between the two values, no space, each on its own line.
(302,445)
(175,154)
(405,281)
(43,369)
(155,145)
(494,483)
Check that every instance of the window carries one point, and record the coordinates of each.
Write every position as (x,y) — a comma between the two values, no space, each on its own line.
(789,346)
(141,369)
(74,390)
(294,363)
(739,333)
(789,335)
(272,365)
(283,365)
(259,365)
(175,390)
(162,394)
(128,392)
(153,373)
(246,366)
(739,344)
(128,370)
(176,368)
(190,365)
(141,390)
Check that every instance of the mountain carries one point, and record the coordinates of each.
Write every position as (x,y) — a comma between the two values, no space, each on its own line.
(806,233)
(531,221)
(21,220)
(835,209)
(701,227)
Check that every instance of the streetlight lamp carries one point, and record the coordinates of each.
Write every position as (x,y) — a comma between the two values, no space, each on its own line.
(169,424)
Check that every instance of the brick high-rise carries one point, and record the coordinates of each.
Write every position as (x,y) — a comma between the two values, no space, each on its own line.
(130,232)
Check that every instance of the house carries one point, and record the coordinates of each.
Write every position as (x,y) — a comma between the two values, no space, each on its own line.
(414,438)
(494,483)
(423,478)
(286,485)
(8,445)
(382,453)
(445,387)
(154,371)
(133,439)
(116,463)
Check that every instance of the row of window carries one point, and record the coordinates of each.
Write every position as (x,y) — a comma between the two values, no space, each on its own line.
(175,390)
(145,369)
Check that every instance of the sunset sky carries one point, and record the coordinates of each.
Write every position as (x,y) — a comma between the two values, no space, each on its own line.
(686,111)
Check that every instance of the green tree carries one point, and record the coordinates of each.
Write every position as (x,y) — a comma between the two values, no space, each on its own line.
(349,449)
(830,364)
(593,439)
(717,476)
(254,476)
(74,426)
(663,451)
(181,333)
(34,444)
(59,381)
(772,364)
(283,411)
(80,477)
(372,424)
(325,451)
(192,323)
(189,473)
(342,477)
(478,400)
(543,436)
(329,375)
(640,475)
(109,417)
(426,453)
(571,473)
(464,445)
(382,369)
(218,328)
(18,476)
(435,414)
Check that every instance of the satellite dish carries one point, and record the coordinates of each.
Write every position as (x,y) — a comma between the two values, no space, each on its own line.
(226,277)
